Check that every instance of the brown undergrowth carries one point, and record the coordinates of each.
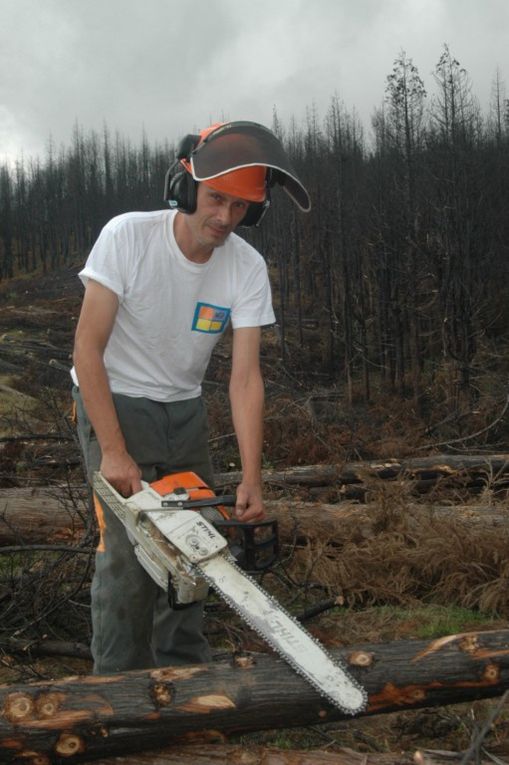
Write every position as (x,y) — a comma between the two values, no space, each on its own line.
(409,555)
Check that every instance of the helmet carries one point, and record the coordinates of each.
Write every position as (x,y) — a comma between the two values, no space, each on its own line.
(244,182)
(243,159)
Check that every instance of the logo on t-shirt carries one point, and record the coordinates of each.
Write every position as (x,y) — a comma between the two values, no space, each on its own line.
(210,318)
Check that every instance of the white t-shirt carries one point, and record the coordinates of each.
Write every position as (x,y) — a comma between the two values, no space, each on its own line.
(171,311)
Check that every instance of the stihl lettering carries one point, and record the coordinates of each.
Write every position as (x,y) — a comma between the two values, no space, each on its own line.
(284,633)
(208,531)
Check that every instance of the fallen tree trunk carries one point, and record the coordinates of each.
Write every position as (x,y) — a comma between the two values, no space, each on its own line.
(231,754)
(83,718)
(436,466)
(40,515)
(49,648)
(424,469)
(473,471)
(326,520)
(224,754)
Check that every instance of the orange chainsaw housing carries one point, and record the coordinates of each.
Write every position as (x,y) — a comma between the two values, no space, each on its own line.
(191,483)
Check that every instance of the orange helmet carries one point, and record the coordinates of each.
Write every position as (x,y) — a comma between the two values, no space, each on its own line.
(245,183)
(242,159)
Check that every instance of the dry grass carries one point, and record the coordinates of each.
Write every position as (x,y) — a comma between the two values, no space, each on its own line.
(411,556)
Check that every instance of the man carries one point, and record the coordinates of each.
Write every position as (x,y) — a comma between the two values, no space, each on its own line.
(160,290)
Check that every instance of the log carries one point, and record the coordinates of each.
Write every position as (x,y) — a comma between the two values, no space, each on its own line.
(81,718)
(231,754)
(224,754)
(228,754)
(297,518)
(40,515)
(49,648)
(423,468)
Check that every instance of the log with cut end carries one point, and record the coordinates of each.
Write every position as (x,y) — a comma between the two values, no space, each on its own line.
(31,514)
(41,516)
(234,754)
(488,466)
(231,754)
(84,718)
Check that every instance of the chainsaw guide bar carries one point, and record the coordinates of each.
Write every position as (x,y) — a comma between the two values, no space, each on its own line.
(181,547)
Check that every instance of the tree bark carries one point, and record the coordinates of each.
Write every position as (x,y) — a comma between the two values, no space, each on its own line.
(231,754)
(82,718)
(50,648)
(436,466)
(42,516)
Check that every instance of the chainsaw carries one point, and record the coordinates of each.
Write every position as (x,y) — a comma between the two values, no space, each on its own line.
(184,537)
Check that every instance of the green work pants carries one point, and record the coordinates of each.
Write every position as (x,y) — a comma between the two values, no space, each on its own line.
(132,623)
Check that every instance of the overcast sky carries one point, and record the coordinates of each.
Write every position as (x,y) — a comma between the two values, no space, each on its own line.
(170,67)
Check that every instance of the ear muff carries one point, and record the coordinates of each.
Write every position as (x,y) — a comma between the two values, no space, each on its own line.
(179,185)
(180,189)
(255,212)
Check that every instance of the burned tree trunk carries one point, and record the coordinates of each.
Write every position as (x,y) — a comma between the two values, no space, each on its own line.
(83,718)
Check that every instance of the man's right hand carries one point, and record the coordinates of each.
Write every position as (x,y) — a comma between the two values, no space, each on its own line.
(122,472)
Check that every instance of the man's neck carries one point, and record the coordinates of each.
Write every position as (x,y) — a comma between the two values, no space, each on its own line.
(191,248)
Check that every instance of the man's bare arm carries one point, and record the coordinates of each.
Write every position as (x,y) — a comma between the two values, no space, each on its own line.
(247,400)
(95,324)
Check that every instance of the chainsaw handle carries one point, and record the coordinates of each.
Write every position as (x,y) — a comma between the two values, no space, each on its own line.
(251,547)
(187,504)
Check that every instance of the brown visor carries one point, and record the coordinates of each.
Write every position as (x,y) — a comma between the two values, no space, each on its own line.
(243,144)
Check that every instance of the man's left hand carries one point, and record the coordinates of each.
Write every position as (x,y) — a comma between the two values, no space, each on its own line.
(249,506)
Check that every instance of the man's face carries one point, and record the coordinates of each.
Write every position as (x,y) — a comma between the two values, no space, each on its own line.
(217,215)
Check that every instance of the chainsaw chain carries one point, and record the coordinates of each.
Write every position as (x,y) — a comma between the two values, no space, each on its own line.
(288,658)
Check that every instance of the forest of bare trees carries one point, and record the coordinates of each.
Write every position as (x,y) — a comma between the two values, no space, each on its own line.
(398,275)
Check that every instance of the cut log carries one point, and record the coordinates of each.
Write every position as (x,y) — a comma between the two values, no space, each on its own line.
(231,754)
(295,517)
(84,718)
(42,515)
(491,466)
(470,470)
(228,754)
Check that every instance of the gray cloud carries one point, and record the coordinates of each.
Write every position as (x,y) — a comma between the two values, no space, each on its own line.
(169,66)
